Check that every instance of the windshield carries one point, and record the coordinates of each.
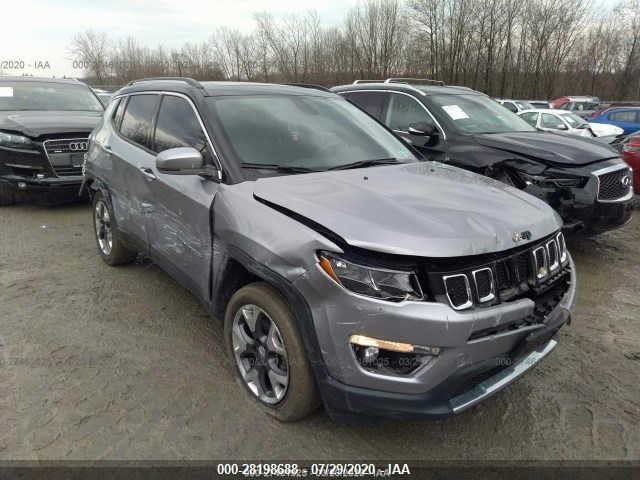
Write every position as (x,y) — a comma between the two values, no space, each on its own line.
(305,132)
(574,120)
(478,114)
(47,96)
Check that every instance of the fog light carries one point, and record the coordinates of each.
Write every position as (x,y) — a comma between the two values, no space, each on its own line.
(370,355)
(390,358)
(40,176)
(22,185)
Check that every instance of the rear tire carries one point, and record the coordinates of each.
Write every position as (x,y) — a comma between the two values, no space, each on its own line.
(8,195)
(110,245)
(264,344)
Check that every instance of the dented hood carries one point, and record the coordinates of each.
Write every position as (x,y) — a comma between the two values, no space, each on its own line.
(548,147)
(37,123)
(425,209)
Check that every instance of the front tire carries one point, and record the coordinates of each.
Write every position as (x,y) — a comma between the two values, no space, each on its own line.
(265,346)
(110,245)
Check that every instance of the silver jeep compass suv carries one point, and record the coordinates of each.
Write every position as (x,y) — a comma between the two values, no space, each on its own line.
(348,272)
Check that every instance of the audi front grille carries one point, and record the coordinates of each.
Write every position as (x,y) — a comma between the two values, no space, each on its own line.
(66,155)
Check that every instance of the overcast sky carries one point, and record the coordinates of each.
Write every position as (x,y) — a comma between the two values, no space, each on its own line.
(39,31)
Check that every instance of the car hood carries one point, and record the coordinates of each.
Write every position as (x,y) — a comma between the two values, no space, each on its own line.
(425,209)
(548,147)
(36,123)
(605,129)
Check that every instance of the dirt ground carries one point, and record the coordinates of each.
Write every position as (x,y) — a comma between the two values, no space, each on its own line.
(121,363)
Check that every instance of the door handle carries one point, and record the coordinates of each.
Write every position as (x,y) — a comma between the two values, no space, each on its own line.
(147,172)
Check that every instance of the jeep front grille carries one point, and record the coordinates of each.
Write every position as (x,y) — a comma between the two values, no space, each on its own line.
(614,185)
(525,272)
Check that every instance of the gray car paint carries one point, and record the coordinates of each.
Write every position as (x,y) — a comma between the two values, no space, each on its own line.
(422,209)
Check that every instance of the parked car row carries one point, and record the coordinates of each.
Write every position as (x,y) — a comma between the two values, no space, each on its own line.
(385,248)
(561,121)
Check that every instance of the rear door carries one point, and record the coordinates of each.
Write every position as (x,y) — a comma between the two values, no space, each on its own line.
(180,223)
(133,160)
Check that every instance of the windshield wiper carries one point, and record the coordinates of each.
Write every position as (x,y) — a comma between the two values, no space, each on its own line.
(366,163)
(278,168)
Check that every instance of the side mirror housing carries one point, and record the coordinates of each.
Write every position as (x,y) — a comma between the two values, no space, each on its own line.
(563,127)
(422,129)
(180,161)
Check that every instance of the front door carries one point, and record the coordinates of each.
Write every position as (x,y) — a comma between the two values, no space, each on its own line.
(180,222)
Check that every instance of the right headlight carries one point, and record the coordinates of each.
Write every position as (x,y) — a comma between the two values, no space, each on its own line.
(384,284)
(15,141)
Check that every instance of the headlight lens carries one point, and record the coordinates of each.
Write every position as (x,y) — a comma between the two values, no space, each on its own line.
(15,141)
(551,181)
(391,285)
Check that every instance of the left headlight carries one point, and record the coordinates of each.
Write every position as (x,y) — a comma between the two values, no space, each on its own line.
(384,284)
(15,141)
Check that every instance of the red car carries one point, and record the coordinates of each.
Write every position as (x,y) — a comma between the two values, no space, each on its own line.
(631,155)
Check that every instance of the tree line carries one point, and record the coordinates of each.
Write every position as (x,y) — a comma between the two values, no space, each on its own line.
(505,48)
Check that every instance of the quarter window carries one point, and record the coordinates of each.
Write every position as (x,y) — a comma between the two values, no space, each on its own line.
(138,118)
(178,126)
(403,111)
(119,112)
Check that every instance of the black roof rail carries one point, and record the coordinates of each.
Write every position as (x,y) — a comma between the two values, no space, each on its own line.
(187,80)
(307,85)
(409,80)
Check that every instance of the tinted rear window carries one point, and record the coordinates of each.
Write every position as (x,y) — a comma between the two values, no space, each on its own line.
(138,118)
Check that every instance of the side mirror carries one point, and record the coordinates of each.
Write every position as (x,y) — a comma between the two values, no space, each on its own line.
(563,127)
(180,161)
(422,129)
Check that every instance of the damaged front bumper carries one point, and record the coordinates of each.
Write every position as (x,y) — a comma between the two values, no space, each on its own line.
(464,370)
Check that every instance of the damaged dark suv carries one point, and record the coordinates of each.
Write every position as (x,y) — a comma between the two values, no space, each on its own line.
(585,181)
(348,270)
(44,126)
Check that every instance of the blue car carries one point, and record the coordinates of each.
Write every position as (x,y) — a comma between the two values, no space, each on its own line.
(627,118)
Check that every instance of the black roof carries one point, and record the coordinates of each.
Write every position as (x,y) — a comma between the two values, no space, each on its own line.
(219,88)
(408,88)
(15,79)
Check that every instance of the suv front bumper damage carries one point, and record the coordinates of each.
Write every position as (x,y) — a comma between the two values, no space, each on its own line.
(464,372)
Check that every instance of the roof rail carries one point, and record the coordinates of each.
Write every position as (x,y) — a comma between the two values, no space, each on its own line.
(408,80)
(307,85)
(355,82)
(187,80)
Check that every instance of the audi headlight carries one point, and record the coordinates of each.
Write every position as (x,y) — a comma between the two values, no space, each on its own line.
(381,283)
(15,141)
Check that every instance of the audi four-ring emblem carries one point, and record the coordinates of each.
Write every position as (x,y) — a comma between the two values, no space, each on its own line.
(78,146)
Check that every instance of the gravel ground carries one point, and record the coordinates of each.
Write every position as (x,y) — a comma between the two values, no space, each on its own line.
(122,363)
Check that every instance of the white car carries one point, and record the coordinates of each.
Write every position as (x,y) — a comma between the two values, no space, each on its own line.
(514,105)
(559,121)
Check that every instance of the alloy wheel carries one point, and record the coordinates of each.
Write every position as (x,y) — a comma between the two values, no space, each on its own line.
(260,354)
(104,233)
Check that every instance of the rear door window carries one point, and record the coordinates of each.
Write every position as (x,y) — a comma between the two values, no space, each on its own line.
(374,103)
(119,112)
(403,111)
(625,116)
(551,121)
(530,117)
(138,119)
